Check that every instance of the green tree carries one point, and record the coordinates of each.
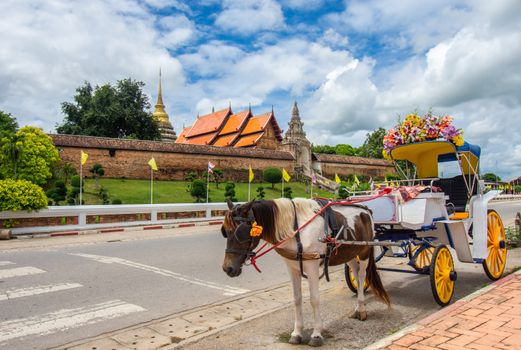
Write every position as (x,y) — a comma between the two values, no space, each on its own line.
(490,177)
(260,192)
(120,111)
(97,171)
(28,155)
(346,150)
(8,125)
(229,192)
(288,192)
(57,193)
(198,190)
(373,145)
(65,171)
(74,191)
(272,175)
(324,149)
(217,176)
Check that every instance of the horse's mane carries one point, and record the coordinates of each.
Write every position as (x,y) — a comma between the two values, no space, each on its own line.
(277,216)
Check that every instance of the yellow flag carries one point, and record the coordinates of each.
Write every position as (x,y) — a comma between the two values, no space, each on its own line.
(337,179)
(285,175)
(152,163)
(251,175)
(84,157)
(385,179)
(357,182)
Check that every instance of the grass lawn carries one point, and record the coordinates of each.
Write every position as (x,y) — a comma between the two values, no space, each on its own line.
(138,191)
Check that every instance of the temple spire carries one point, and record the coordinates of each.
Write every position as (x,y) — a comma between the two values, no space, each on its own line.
(161,117)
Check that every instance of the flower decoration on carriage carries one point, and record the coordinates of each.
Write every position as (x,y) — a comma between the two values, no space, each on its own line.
(417,129)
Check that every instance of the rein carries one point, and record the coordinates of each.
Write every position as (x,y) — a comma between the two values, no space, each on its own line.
(254,256)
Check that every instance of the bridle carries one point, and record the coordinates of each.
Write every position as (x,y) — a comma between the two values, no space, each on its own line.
(254,241)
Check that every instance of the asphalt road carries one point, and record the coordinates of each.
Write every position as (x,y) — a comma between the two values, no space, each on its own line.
(61,290)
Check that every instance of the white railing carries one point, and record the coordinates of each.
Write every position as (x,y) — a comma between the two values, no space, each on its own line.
(81,212)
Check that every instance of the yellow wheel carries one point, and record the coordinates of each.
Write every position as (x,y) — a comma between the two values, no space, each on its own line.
(423,259)
(494,264)
(442,275)
(352,284)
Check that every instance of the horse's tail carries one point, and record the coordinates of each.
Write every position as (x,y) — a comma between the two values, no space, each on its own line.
(374,280)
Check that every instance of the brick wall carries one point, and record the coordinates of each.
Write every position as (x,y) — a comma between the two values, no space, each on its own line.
(129,158)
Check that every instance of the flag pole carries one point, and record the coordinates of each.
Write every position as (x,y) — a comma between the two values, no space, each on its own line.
(81,181)
(151,185)
(249,186)
(207,183)
(282,188)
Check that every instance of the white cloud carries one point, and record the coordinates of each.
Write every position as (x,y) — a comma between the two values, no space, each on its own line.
(243,17)
(176,31)
(50,48)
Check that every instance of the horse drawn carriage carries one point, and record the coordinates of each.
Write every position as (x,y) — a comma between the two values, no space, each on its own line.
(445,212)
(442,204)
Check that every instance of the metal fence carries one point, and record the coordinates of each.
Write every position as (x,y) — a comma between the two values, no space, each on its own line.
(81,212)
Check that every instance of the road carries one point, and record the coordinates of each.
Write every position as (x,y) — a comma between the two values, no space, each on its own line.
(54,291)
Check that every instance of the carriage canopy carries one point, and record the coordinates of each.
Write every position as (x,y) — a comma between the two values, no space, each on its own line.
(426,156)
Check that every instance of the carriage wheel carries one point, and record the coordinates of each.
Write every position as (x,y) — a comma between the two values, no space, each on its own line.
(350,280)
(494,264)
(442,275)
(423,259)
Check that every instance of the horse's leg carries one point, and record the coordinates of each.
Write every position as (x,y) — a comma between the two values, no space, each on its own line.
(312,269)
(360,311)
(294,273)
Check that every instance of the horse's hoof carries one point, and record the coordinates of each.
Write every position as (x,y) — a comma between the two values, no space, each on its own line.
(359,315)
(316,341)
(295,339)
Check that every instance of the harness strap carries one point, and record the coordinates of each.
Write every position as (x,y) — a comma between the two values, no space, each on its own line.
(300,249)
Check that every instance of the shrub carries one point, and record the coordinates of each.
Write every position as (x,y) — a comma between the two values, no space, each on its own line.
(288,192)
(272,175)
(343,192)
(21,195)
(229,192)
(198,190)
(260,192)
(117,201)
(75,181)
(103,194)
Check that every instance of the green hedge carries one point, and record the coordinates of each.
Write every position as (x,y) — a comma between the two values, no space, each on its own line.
(21,195)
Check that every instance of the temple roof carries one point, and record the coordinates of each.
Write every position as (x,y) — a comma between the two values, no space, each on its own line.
(209,123)
(224,129)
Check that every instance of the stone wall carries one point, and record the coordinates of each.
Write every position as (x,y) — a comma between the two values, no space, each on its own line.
(331,164)
(129,158)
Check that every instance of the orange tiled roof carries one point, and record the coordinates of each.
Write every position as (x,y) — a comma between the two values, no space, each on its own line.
(248,140)
(182,136)
(225,140)
(205,139)
(208,123)
(256,124)
(235,122)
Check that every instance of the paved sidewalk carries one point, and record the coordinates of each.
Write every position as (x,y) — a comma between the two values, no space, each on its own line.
(487,319)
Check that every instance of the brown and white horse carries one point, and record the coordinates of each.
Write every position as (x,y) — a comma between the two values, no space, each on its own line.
(277,218)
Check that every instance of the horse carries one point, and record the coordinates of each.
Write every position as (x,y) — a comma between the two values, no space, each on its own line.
(274,221)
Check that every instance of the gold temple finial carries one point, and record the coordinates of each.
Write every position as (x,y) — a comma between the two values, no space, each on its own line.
(160,115)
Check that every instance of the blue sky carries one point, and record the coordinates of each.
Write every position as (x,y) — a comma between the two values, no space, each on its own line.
(353,66)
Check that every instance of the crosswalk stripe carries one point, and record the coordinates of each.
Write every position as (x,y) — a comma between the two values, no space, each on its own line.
(4,263)
(65,319)
(19,271)
(25,292)
(227,290)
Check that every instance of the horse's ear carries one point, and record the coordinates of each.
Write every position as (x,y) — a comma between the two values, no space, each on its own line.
(230,203)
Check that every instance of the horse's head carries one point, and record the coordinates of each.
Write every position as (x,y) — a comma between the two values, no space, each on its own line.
(240,244)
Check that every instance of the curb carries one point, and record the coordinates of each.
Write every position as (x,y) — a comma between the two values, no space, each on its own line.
(83,343)
(121,229)
(438,314)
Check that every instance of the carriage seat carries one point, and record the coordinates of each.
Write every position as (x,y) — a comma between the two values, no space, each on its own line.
(457,191)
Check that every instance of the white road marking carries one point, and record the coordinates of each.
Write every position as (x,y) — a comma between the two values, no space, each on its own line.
(227,290)
(19,271)
(4,263)
(25,292)
(65,319)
